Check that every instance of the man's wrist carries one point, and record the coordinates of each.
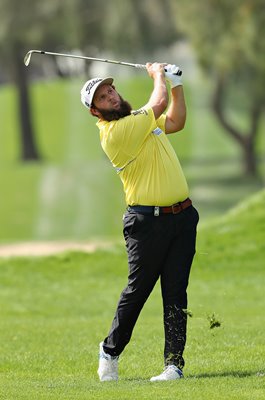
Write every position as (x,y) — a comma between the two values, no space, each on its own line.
(160,75)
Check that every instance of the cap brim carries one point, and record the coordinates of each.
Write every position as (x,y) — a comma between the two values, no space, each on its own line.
(106,81)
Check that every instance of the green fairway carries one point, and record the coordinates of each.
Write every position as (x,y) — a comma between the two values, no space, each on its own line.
(56,310)
(73,192)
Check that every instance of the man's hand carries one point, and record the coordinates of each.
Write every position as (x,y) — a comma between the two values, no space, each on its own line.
(171,77)
(158,100)
(155,69)
(172,69)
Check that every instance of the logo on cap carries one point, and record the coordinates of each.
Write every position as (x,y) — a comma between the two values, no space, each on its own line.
(92,84)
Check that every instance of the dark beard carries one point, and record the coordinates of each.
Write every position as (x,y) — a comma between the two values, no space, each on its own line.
(111,115)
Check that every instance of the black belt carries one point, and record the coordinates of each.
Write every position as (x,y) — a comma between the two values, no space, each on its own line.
(156,210)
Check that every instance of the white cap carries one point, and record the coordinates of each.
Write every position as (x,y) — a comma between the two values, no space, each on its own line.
(90,87)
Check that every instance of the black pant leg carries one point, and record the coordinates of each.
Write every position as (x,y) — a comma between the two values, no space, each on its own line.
(174,283)
(147,246)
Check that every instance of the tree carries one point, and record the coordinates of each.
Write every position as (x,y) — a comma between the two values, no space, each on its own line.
(11,38)
(137,27)
(228,38)
(29,149)
(24,25)
(130,27)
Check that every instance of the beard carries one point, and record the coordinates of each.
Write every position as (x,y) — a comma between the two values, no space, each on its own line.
(111,115)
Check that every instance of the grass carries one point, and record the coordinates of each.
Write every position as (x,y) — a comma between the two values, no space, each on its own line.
(19,202)
(59,197)
(55,310)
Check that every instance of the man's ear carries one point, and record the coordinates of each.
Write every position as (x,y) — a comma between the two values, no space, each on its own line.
(94,112)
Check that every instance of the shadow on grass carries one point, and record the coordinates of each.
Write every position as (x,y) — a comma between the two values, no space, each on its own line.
(226,374)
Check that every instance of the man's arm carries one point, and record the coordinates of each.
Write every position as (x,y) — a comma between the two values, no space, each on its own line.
(158,100)
(176,113)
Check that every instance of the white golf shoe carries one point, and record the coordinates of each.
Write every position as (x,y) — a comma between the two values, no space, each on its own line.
(108,366)
(170,373)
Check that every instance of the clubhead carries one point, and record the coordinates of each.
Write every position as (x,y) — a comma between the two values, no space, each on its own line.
(27,58)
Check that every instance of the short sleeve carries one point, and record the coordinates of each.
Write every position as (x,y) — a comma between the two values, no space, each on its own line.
(127,135)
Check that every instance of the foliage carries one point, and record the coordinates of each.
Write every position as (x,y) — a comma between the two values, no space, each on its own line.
(140,26)
(80,24)
(86,24)
(24,24)
(227,36)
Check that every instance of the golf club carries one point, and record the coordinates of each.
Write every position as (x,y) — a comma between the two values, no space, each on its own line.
(27,59)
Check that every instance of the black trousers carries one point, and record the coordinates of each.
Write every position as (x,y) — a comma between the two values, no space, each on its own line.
(158,247)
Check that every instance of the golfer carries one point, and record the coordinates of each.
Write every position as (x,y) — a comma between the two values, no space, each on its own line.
(160,220)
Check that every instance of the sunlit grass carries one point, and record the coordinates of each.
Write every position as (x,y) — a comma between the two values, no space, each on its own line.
(55,311)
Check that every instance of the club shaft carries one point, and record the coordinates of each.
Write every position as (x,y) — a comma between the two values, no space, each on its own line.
(29,54)
(87,58)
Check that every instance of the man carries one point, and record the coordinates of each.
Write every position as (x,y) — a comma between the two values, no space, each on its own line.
(160,221)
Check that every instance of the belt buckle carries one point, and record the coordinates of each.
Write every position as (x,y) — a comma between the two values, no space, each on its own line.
(176,207)
(156,211)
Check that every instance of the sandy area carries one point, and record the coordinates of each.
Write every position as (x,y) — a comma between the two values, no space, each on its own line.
(49,248)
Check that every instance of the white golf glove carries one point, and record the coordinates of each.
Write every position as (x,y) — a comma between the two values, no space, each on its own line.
(170,73)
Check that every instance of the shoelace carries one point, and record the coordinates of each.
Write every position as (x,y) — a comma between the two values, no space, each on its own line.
(172,368)
(108,357)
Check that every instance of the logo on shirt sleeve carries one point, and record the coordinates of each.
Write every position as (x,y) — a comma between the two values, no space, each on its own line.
(157,131)
(141,111)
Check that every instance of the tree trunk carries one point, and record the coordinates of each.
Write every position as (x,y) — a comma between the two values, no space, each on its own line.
(249,158)
(29,149)
(246,142)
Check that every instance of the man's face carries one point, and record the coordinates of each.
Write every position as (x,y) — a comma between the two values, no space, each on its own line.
(106,98)
(109,105)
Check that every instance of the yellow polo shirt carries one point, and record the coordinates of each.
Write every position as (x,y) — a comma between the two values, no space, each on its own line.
(144,158)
